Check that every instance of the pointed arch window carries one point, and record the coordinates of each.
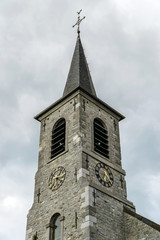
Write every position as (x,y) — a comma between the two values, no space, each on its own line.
(55,227)
(100,138)
(58,138)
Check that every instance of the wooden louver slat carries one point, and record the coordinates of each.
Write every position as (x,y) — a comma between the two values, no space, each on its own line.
(58,138)
(100,138)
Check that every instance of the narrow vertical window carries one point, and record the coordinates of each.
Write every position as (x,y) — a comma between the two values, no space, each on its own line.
(58,138)
(55,227)
(100,138)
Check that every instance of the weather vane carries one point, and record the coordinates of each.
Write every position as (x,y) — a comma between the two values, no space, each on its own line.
(78,22)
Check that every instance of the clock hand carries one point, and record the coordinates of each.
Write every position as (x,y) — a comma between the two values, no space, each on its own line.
(55,177)
(105,178)
(106,175)
(55,183)
(59,176)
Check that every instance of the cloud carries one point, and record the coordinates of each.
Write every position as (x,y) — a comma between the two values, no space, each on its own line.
(121,42)
(17,119)
(149,181)
(15,197)
(154,196)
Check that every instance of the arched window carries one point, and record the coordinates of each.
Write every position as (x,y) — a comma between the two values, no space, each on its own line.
(55,227)
(100,138)
(58,137)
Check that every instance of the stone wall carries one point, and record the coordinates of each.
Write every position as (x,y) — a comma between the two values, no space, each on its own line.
(89,210)
(140,228)
(67,200)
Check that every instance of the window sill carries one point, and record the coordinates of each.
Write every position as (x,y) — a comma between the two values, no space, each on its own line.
(59,155)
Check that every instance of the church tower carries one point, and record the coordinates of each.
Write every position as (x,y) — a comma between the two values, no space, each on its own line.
(80,185)
(80,188)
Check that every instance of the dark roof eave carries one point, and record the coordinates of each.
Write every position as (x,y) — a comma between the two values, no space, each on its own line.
(79,88)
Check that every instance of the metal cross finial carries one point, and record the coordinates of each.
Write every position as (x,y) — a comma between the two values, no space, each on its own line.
(78,22)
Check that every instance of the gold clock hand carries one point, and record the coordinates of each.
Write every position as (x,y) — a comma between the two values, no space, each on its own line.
(55,183)
(106,175)
(59,176)
(55,177)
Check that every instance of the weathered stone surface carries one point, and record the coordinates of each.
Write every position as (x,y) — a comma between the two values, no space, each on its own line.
(136,229)
(76,195)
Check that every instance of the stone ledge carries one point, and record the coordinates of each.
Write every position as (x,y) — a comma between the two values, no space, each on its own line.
(124,201)
(100,158)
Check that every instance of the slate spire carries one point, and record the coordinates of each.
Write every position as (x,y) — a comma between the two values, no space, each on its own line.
(79,75)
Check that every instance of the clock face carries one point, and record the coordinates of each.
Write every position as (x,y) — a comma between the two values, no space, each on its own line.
(57,178)
(104,174)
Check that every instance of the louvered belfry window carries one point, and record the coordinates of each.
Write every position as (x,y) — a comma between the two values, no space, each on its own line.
(100,138)
(58,138)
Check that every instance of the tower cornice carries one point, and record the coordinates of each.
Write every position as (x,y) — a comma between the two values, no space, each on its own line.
(81,91)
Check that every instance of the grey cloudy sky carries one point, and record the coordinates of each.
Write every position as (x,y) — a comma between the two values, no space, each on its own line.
(121,39)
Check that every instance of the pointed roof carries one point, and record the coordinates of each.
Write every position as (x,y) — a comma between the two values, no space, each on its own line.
(79,78)
(79,75)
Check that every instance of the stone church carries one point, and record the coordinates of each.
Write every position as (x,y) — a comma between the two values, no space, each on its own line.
(80,187)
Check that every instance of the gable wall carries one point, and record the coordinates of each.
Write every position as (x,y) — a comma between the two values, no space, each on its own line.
(136,229)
